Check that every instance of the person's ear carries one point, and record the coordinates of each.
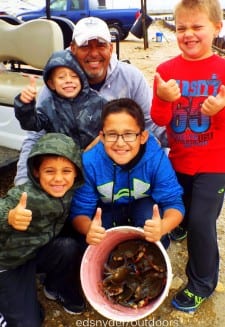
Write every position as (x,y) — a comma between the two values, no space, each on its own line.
(218,28)
(73,48)
(36,173)
(144,136)
(101,137)
(111,48)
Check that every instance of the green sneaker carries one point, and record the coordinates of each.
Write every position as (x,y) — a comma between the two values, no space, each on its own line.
(178,234)
(187,301)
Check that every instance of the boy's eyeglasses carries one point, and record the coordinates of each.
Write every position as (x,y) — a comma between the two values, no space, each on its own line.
(127,137)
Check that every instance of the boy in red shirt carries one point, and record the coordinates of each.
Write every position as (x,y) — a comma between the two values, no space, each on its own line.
(189,99)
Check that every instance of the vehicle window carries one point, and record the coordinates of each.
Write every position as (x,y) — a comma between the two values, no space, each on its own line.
(59,5)
(77,4)
(93,4)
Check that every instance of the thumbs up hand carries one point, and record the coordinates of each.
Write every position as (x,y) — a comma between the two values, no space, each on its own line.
(167,91)
(29,93)
(213,104)
(153,227)
(96,232)
(20,217)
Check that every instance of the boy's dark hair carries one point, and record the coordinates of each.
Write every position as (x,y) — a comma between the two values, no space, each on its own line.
(37,160)
(126,105)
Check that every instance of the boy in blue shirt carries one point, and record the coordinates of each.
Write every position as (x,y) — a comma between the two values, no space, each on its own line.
(126,174)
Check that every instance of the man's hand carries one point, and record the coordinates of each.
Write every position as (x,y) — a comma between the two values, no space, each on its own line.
(96,232)
(29,93)
(20,217)
(153,227)
(212,105)
(167,91)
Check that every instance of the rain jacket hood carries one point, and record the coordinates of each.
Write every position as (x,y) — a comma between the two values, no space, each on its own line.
(57,144)
(65,58)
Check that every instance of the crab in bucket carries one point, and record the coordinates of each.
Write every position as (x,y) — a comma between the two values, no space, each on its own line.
(134,274)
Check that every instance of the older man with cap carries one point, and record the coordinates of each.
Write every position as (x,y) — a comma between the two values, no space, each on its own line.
(111,78)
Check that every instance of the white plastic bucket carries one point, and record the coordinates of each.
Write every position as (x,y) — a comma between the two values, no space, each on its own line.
(92,270)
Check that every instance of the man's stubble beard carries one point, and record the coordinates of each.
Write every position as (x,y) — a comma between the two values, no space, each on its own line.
(98,75)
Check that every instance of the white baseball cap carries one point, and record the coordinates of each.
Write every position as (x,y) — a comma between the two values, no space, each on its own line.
(90,28)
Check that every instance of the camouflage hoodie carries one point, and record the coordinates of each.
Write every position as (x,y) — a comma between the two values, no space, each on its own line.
(48,213)
(78,117)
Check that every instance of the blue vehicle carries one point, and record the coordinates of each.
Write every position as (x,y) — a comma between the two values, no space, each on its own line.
(119,21)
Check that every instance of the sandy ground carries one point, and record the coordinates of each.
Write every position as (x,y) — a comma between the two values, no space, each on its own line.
(212,312)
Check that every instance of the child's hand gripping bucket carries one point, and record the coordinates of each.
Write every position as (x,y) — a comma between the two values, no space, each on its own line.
(92,267)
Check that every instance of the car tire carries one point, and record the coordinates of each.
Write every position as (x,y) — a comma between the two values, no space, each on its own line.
(115,28)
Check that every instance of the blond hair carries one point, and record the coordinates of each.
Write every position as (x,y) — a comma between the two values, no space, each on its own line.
(211,7)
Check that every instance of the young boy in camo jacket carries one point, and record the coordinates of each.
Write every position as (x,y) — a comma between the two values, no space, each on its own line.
(31,218)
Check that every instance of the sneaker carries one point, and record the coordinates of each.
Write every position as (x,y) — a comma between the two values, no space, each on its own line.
(51,295)
(68,306)
(187,301)
(178,234)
